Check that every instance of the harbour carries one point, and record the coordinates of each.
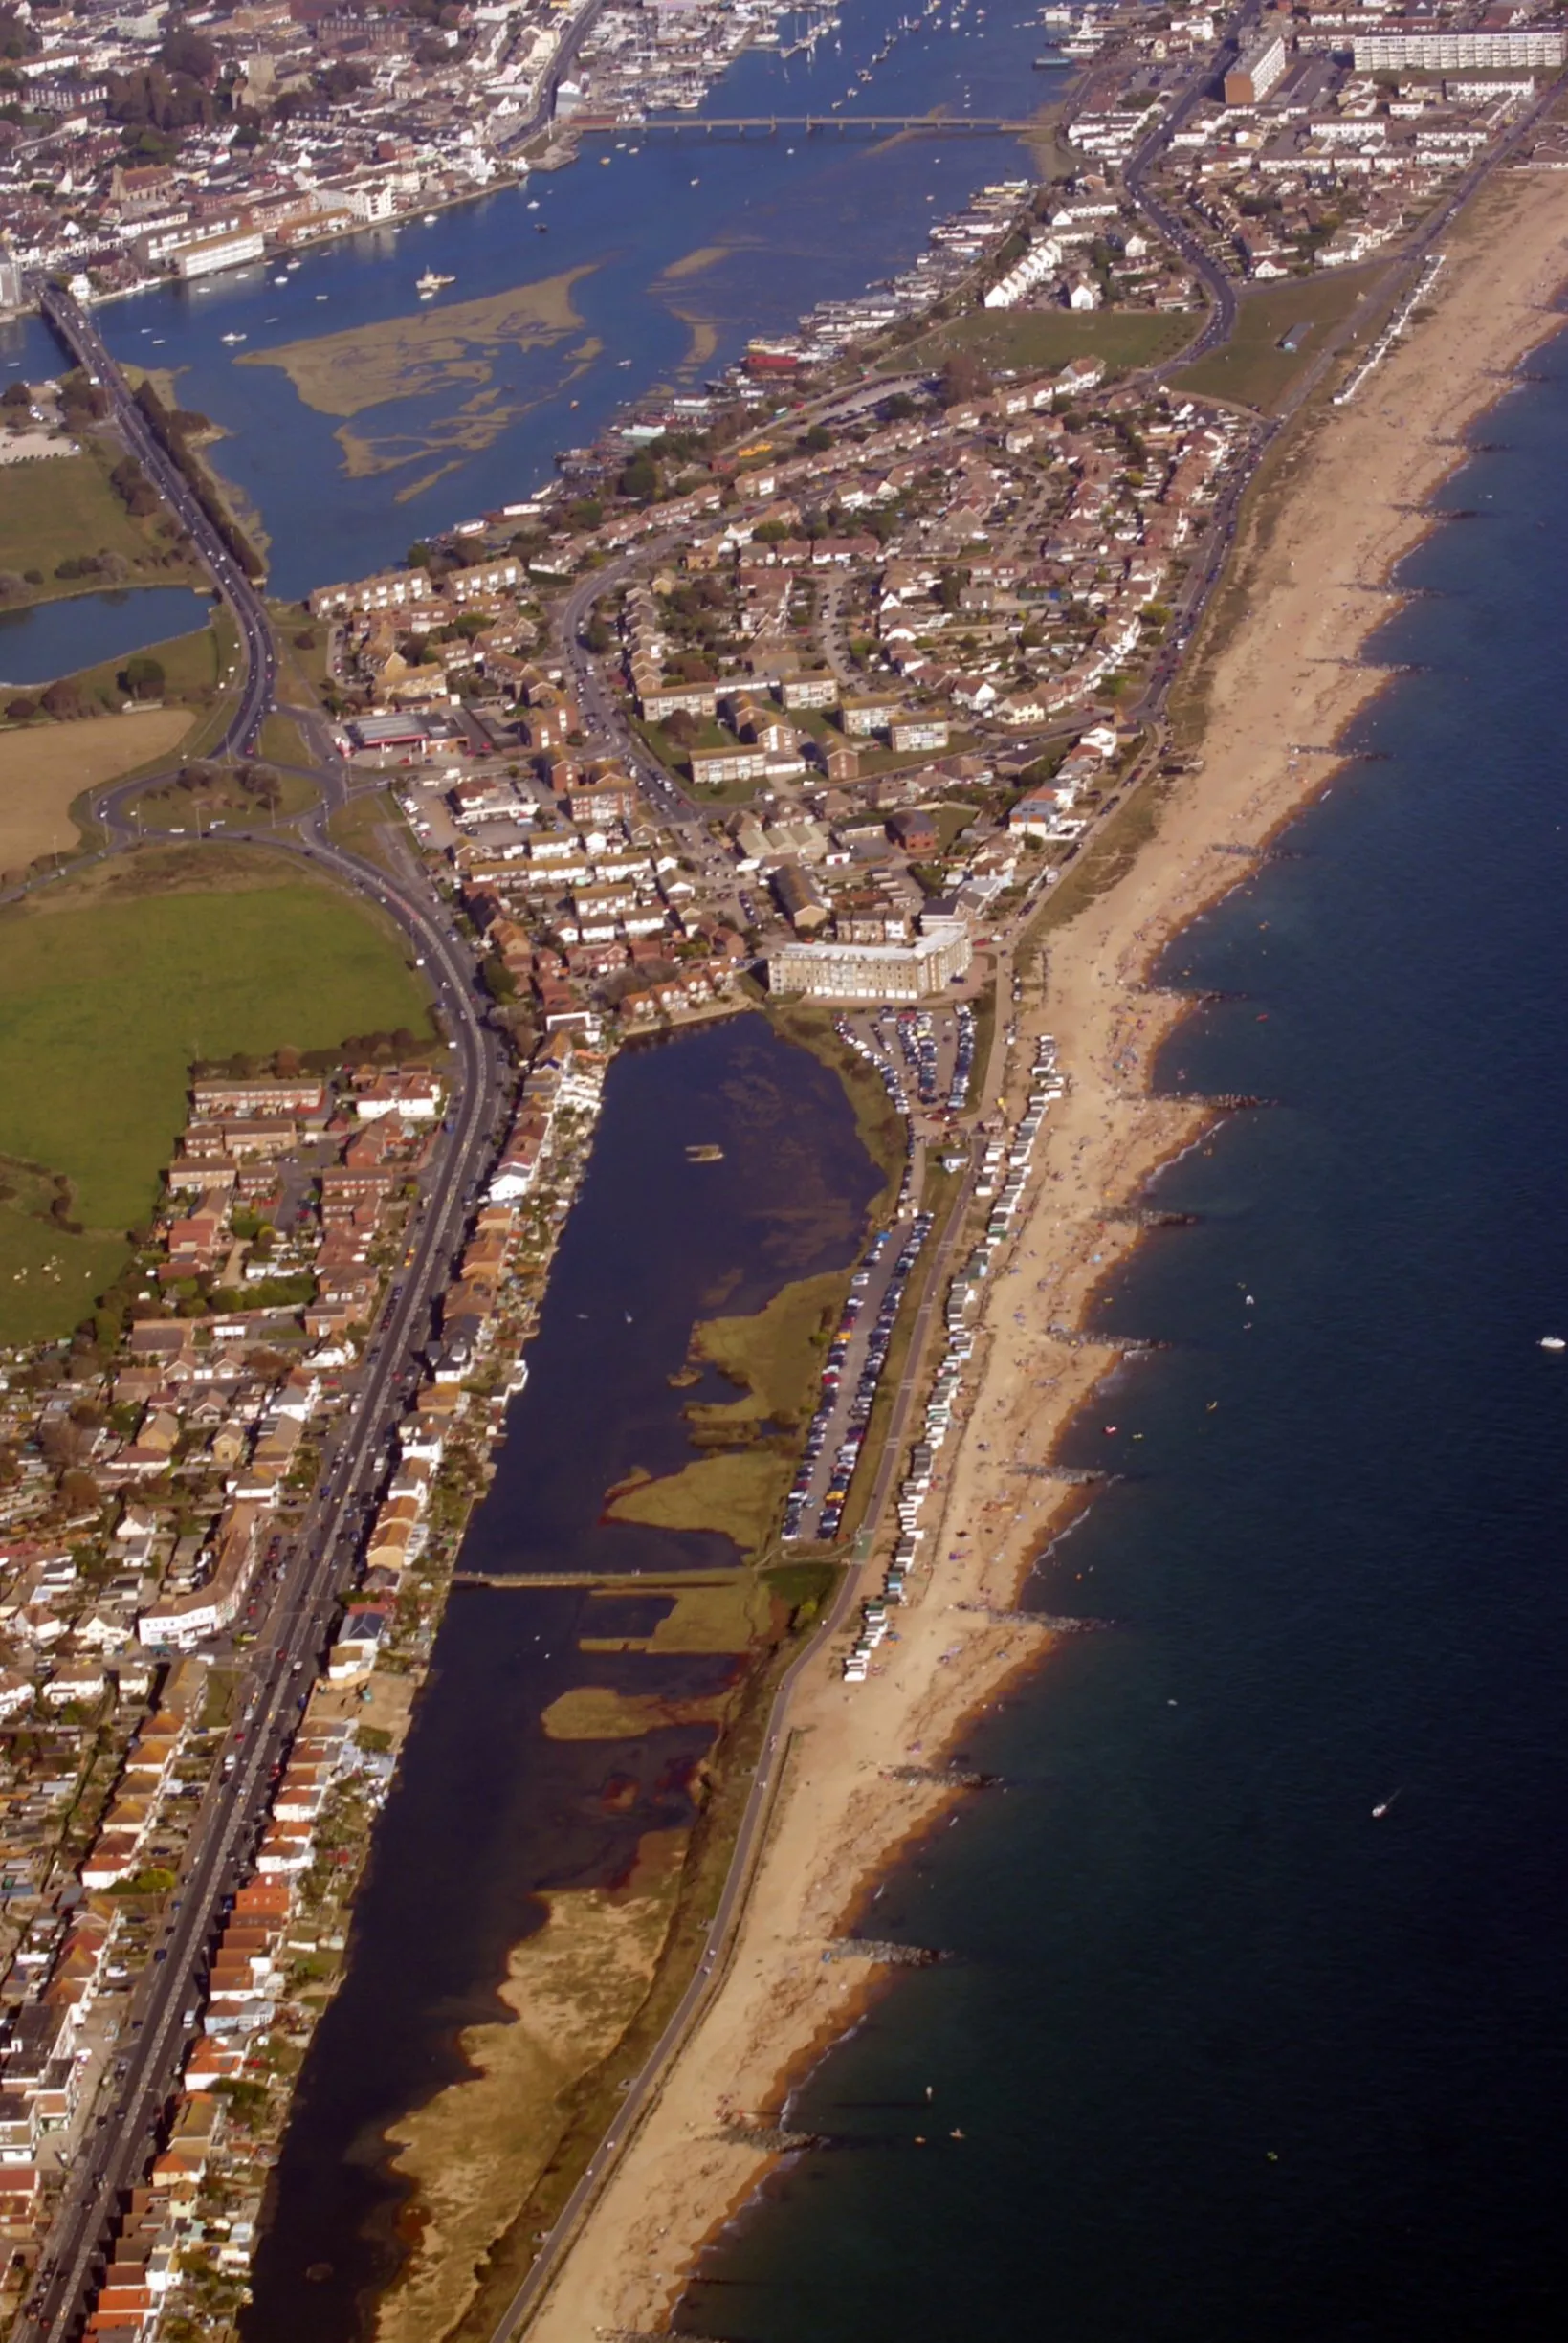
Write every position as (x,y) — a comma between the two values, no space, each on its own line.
(782,223)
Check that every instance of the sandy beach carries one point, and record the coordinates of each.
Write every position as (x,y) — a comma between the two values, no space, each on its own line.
(1356,481)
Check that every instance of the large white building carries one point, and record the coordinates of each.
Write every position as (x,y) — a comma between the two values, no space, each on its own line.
(1396,42)
(205,254)
(1260,66)
(874,972)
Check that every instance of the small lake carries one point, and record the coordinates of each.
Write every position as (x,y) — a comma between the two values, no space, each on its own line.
(56,638)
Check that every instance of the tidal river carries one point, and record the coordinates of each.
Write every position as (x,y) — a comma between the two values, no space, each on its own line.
(488,1811)
(1233,2054)
(655,268)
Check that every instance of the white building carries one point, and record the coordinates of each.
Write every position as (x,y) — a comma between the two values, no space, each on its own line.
(1397,43)
(206,254)
(874,972)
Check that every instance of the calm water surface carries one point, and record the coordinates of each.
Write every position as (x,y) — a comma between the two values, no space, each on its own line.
(1233,2059)
(487,1811)
(687,246)
(56,638)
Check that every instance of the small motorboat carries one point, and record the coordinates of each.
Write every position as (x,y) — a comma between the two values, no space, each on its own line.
(1554,1343)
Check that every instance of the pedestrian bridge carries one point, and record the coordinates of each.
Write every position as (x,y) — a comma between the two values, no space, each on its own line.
(807,125)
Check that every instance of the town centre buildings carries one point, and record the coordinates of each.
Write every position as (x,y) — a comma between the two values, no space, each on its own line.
(841,971)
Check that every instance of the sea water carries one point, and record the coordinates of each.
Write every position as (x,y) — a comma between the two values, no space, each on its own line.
(1233,2056)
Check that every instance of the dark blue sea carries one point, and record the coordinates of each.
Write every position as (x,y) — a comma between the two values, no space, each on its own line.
(1234,2060)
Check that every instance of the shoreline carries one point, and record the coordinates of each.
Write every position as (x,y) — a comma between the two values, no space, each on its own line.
(1344,507)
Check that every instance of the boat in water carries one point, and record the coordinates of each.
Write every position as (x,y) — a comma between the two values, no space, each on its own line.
(706,1152)
(432,283)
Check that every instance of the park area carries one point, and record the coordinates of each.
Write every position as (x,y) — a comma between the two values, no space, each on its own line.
(1043,341)
(113,984)
(1255,368)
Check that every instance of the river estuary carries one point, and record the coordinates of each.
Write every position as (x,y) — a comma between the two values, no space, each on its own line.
(487,1810)
(655,268)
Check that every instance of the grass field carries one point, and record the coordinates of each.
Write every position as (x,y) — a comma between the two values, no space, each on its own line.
(113,986)
(1030,339)
(66,507)
(1252,370)
(193,666)
(44,766)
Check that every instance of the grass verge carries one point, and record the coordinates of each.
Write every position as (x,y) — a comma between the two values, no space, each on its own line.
(361,828)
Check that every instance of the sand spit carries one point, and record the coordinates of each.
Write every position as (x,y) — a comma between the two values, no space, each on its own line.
(1357,485)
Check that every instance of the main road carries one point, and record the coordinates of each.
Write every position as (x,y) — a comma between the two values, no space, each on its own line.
(82,339)
(293,1632)
(316,1563)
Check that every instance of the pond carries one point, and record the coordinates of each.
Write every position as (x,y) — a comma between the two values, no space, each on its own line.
(56,638)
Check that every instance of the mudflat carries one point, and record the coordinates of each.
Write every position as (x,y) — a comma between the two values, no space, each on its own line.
(428,351)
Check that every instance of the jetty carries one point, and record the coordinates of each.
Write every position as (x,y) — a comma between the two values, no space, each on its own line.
(884,1948)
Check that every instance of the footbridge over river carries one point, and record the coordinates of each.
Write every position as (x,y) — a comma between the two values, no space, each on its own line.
(807,125)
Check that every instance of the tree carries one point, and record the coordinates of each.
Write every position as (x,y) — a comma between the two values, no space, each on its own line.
(185,52)
(80,1491)
(21,711)
(819,439)
(963,377)
(142,676)
(64,700)
(640,481)
(17,395)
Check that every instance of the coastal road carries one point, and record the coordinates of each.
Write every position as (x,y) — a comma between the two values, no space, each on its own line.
(75,328)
